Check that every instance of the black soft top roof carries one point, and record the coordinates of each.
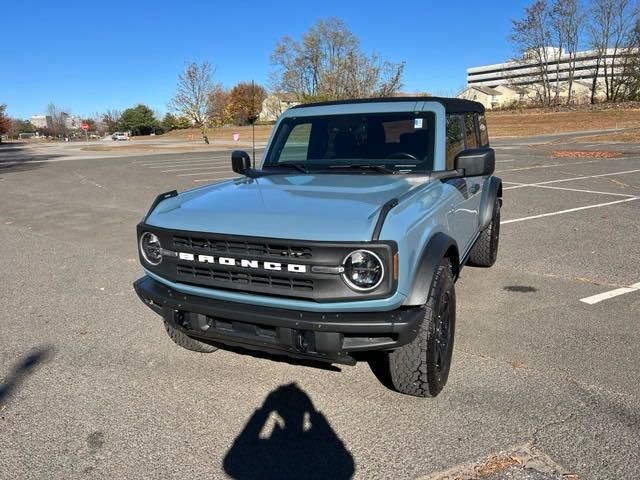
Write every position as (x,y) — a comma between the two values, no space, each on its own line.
(451,105)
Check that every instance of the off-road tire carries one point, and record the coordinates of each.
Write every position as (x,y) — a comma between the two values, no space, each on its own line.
(413,369)
(485,251)
(185,341)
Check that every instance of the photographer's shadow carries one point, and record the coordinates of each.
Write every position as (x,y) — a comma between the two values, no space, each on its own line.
(288,438)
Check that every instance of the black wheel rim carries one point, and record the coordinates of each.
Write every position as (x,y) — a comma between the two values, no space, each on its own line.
(443,337)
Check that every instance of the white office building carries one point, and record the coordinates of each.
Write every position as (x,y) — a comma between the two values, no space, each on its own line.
(500,84)
(41,121)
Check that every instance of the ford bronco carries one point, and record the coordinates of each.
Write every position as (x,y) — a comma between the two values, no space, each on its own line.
(343,244)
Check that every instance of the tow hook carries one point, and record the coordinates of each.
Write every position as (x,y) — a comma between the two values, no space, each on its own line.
(180,319)
(301,343)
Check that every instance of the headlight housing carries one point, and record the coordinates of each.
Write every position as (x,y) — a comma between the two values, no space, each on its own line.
(363,270)
(150,248)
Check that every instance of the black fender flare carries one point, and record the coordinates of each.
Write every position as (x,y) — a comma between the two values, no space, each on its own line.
(492,190)
(439,246)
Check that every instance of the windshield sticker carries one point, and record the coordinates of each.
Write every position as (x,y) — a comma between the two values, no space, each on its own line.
(418,123)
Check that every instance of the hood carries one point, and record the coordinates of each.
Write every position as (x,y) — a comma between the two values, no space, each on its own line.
(329,207)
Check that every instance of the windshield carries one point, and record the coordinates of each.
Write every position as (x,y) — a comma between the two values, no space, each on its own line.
(398,142)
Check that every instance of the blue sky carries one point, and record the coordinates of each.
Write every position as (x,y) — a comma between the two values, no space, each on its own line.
(90,56)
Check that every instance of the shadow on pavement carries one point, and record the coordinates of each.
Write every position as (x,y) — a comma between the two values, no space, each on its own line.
(288,438)
(17,157)
(25,367)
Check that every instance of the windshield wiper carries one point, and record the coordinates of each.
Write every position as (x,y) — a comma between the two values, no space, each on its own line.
(363,166)
(295,166)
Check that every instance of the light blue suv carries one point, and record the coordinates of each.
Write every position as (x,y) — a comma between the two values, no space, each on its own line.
(344,244)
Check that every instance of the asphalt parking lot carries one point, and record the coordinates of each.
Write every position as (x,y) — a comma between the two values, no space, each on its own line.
(547,355)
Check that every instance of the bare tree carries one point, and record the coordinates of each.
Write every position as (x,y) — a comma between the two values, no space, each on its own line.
(328,64)
(568,21)
(5,121)
(633,64)
(111,119)
(192,95)
(610,33)
(58,120)
(533,37)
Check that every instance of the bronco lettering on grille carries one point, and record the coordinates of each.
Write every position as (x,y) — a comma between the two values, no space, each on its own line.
(244,263)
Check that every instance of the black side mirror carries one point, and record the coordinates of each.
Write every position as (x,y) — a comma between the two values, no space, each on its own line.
(240,161)
(476,162)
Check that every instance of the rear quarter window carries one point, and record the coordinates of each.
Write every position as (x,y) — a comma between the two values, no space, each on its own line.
(484,133)
(455,139)
(470,134)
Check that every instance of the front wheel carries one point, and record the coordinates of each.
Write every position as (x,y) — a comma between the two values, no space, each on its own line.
(421,368)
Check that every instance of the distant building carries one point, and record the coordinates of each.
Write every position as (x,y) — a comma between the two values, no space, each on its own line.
(498,97)
(71,122)
(487,96)
(275,104)
(522,76)
(42,121)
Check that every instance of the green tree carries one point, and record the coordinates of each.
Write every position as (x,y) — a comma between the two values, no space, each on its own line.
(183,122)
(139,120)
(21,126)
(169,122)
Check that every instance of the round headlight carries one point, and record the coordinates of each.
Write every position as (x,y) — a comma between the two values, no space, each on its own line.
(363,270)
(150,248)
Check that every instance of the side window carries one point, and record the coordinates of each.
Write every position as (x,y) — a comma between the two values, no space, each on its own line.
(470,137)
(484,134)
(297,144)
(455,139)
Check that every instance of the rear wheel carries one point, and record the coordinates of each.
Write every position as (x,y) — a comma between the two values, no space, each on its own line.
(485,251)
(185,341)
(421,368)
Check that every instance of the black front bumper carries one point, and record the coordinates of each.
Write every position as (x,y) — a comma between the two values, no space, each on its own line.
(330,337)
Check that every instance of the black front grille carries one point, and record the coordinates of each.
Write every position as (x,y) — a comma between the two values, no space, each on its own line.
(264,266)
(191,274)
(254,249)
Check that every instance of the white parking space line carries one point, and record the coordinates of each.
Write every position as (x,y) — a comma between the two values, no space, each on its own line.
(520,185)
(199,180)
(585,191)
(588,176)
(536,167)
(160,163)
(201,167)
(195,162)
(504,161)
(593,299)
(569,210)
(204,172)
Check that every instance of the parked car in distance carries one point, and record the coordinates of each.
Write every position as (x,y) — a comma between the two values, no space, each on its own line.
(344,244)
(120,136)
